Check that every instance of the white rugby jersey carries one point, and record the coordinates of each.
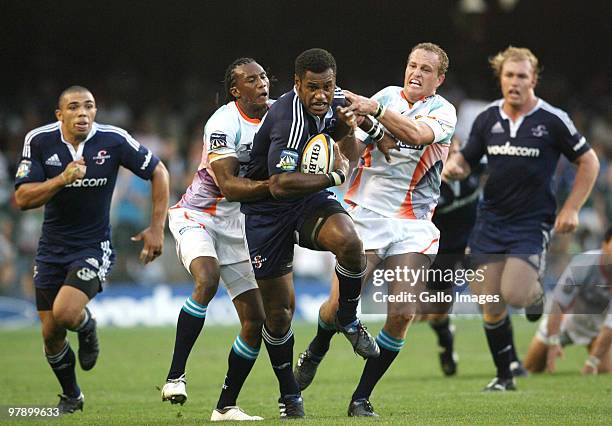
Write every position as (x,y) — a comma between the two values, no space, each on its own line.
(228,133)
(408,187)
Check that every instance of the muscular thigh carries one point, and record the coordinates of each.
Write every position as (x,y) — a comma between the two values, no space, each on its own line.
(519,282)
(490,285)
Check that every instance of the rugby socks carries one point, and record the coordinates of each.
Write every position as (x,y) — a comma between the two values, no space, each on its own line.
(499,337)
(376,367)
(188,328)
(280,351)
(350,290)
(87,322)
(444,333)
(320,344)
(63,365)
(513,354)
(241,359)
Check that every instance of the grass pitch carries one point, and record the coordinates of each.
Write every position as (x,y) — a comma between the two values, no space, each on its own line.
(123,388)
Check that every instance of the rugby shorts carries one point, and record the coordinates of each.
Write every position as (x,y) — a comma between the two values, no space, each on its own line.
(84,268)
(271,237)
(579,329)
(492,240)
(199,234)
(390,236)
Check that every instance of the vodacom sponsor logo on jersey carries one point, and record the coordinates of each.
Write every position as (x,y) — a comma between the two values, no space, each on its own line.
(88,183)
(511,150)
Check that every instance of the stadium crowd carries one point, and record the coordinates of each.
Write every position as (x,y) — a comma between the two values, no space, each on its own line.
(172,128)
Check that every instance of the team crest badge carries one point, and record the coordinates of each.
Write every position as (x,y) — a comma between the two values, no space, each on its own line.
(24,169)
(288,160)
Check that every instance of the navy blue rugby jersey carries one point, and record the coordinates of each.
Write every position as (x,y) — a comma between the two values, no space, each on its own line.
(522,157)
(278,144)
(78,215)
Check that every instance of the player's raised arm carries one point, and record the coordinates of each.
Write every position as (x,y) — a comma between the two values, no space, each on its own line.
(600,349)
(236,188)
(153,236)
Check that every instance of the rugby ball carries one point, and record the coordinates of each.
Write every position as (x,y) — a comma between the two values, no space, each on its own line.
(318,155)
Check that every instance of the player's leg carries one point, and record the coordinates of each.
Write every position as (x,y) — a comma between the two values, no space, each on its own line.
(520,287)
(535,360)
(191,318)
(279,305)
(338,235)
(391,337)
(59,354)
(309,360)
(496,323)
(81,284)
(240,283)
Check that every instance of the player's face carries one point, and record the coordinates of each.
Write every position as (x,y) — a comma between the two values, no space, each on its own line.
(421,78)
(316,91)
(252,85)
(517,80)
(77,111)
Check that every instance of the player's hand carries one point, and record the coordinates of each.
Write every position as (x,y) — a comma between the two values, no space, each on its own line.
(340,161)
(554,352)
(567,220)
(453,170)
(360,105)
(73,171)
(385,145)
(153,244)
(349,117)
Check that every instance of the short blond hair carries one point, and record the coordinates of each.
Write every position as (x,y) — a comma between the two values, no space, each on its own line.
(514,54)
(434,48)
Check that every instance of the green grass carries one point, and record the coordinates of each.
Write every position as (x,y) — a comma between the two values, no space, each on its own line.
(123,388)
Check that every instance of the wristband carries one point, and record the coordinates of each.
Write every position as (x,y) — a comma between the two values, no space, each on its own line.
(376,132)
(593,362)
(553,340)
(380,111)
(336,178)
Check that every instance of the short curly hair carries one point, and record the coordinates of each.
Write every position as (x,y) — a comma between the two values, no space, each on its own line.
(230,76)
(514,54)
(314,60)
(434,48)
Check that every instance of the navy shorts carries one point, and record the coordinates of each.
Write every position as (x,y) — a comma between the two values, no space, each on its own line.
(494,240)
(271,237)
(54,265)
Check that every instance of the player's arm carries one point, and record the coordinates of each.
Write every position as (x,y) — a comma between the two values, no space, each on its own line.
(236,188)
(586,175)
(407,130)
(348,144)
(297,184)
(459,164)
(31,195)
(153,236)
(600,349)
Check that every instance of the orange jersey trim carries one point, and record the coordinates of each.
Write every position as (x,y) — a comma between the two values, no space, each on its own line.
(367,162)
(246,117)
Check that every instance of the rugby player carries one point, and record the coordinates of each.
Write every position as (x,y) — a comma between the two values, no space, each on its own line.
(70,167)
(581,314)
(301,210)
(393,202)
(522,137)
(207,226)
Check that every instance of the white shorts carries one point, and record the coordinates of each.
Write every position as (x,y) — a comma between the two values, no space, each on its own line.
(199,234)
(389,236)
(578,329)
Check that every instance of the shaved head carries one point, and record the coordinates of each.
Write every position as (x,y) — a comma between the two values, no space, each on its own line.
(69,90)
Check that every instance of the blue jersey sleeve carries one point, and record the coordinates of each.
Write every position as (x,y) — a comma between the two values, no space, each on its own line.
(569,140)
(30,168)
(137,158)
(285,139)
(476,145)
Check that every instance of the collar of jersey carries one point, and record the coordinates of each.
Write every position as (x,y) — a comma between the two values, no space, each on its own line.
(421,99)
(245,117)
(78,153)
(506,117)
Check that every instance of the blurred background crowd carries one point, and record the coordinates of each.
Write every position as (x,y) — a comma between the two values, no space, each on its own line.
(158,73)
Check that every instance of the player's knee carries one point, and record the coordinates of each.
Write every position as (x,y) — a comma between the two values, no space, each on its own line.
(206,285)
(400,319)
(67,317)
(278,320)
(349,252)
